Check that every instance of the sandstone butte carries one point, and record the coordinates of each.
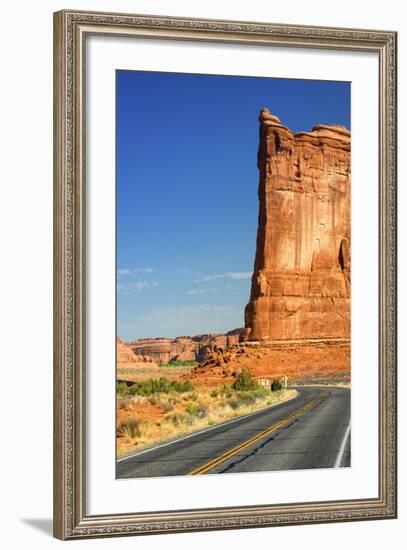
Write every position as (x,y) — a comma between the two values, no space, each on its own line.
(297,321)
(301,278)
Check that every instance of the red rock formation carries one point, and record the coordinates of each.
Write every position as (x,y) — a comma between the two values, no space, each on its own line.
(321,361)
(301,279)
(124,354)
(183,348)
(209,343)
(159,350)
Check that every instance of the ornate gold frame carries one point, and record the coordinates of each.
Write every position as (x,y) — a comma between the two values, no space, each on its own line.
(70,31)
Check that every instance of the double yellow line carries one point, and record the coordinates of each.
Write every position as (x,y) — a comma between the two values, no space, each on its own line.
(235,450)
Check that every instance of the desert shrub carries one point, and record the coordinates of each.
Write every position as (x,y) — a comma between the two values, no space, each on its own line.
(192,409)
(244,381)
(185,386)
(233,403)
(198,410)
(176,418)
(226,390)
(161,400)
(166,407)
(175,363)
(141,388)
(132,427)
(203,410)
(214,393)
(247,398)
(276,385)
(190,419)
(162,385)
(122,389)
(123,404)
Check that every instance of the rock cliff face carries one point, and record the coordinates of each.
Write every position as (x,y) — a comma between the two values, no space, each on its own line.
(183,348)
(124,354)
(162,350)
(301,279)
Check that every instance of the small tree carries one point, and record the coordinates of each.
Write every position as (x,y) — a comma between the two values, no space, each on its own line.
(245,381)
(276,385)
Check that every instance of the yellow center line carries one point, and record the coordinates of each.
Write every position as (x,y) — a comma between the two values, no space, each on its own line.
(232,452)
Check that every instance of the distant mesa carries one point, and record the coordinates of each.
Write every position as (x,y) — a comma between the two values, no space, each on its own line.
(182,348)
(125,354)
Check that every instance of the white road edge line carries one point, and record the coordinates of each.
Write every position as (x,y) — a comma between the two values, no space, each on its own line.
(342,448)
(204,430)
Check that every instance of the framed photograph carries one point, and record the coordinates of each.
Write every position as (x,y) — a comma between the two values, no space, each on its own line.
(225,274)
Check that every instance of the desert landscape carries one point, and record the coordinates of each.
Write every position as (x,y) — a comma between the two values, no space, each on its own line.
(297,320)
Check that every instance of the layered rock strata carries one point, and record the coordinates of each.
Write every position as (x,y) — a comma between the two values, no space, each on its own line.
(124,354)
(183,348)
(301,279)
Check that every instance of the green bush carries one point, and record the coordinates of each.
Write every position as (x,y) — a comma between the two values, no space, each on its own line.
(276,385)
(192,409)
(163,385)
(245,381)
(185,386)
(175,363)
(122,389)
(197,410)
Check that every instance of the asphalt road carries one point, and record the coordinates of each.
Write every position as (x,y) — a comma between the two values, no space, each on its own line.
(310,431)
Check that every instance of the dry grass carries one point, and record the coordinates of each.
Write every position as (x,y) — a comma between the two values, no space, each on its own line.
(133,428)
(160,417)
(125,371)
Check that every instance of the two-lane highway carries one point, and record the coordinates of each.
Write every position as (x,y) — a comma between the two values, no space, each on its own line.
(310,431)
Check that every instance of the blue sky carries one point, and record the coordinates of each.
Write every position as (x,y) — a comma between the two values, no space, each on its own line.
(187,192)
